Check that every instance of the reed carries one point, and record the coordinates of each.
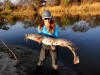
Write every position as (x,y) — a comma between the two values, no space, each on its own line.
(83,9)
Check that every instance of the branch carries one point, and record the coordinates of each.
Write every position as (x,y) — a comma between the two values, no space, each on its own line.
(9,49)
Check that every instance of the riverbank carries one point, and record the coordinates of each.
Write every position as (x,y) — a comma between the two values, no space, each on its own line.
(26,64)
(83,9)
(21,12)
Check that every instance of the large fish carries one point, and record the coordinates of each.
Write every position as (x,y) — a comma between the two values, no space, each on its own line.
(55,42)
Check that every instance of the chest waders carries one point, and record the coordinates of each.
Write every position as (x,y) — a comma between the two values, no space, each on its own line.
(43,54)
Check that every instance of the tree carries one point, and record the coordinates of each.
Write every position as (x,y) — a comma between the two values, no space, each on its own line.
(65,2)
(53,2)
(37,3)
(8,6)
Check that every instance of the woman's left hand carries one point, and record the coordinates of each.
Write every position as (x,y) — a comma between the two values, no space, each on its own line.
(53,47)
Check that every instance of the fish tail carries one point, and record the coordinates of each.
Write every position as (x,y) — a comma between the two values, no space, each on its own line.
(76,58)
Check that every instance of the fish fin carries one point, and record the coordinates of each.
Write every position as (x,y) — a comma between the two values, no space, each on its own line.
(74,46)
(62,45)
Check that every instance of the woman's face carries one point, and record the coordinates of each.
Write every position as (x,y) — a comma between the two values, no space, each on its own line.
(47,21)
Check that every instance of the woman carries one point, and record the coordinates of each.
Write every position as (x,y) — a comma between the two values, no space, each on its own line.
(48,28)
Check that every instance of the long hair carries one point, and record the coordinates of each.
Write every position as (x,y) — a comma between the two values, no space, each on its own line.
(51,27)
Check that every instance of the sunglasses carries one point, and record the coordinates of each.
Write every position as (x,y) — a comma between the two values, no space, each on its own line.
(47,19)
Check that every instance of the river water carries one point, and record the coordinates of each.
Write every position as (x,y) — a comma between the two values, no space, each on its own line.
(84,31)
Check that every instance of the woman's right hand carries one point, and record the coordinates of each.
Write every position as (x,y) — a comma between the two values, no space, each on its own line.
(39,40)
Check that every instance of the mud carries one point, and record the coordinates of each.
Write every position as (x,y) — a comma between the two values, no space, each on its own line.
(26,63)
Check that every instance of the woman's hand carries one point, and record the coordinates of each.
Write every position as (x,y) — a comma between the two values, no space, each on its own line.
(53,47)
(39,40)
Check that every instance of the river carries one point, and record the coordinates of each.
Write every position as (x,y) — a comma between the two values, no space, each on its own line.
(84,31)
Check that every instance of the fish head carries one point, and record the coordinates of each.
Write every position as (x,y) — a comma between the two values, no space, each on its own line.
(30,36)
(34,37)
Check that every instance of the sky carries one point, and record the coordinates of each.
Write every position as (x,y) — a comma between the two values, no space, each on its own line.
(12,1)
(3,1)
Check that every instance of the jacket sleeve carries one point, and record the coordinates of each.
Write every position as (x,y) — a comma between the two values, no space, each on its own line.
(39,31)
(56,31)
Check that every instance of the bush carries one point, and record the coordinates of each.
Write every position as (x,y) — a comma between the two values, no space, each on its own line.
(67,1)
(8,5)
(37,3)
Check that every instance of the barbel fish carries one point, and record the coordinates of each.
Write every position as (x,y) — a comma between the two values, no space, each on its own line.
(55,42)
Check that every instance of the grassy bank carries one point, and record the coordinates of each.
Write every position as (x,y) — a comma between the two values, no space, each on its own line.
(83,9)
(22,11)
(26,10)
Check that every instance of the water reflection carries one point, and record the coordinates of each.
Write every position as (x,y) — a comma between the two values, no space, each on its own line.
(65,20)
(94,21)
(3,23)
(33,22)
(81,26)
